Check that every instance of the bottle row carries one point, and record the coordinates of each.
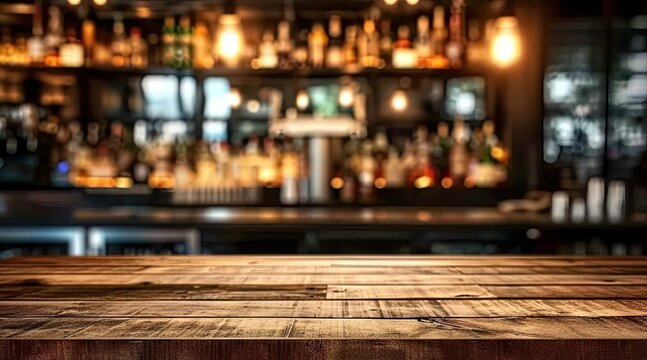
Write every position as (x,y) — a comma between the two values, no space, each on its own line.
(117,157)
(374,42)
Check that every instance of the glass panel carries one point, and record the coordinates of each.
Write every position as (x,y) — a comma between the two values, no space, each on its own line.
(217,98)
(628,107)
(161,94)
(187,96)
(466,98)
(574,98)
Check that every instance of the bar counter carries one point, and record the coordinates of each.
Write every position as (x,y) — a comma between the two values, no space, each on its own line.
(294,217)
(324,307)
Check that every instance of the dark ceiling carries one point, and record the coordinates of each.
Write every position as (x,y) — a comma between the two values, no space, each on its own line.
(19,11)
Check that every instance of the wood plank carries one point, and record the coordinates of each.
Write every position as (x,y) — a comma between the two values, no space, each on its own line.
(163,292)
(485,292)
(372,261)
(325,349)
(474,328)
(368,309)
(147,328)
(289,279)
(408,292)
(317,270)
(607,328)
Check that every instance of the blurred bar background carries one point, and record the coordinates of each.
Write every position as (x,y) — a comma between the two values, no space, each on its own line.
(296,126)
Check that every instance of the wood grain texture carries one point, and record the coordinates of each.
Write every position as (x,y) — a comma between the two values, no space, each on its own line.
(368,309)
(486,291)
(287,278)
(323,307)
(323,349)
(303,328)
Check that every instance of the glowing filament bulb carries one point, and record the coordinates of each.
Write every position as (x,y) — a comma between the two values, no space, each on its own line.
(505,49)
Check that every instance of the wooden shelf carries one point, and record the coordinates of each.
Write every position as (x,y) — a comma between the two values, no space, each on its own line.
(270,73)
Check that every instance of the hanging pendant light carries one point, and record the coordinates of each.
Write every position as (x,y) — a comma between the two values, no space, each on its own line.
(505,48)
(230,42)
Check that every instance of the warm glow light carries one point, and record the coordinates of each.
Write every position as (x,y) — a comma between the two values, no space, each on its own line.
(235,98)
(399,101)
(74,2)
(302,100)
(346,96)
(469,182)
(124,182)
(423,182)
(336,183)
(412,2)
(446,183)
(230,39)
(505,49)
(498,153)
(390,2)
(380,183)
(253,106)
(100,2)
(143,11)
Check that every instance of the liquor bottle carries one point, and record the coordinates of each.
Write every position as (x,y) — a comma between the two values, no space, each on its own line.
(334,53)
(138,49)
(476,51)
(289,175)
(205,166)
(202,58)
(270,168)
(184,45)
(88,37)
(458,156)
(120,47)
(404,56)
(456,46)
(380,153)
(423,174)
(168,42)
(440,146)
(21,53)
(267,56)
(394,169)
(351,56)
(366,173)
(423,43)
(284,45)
(299,55)
(6,47)
(71,52)
(369,45)
(439,39)
(348,191)
(54,36)
(386,40)
(317,42)
(35,45)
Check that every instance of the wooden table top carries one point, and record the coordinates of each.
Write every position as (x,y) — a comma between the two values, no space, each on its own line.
(324,307)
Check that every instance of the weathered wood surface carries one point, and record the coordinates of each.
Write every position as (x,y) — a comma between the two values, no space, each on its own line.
(324,307)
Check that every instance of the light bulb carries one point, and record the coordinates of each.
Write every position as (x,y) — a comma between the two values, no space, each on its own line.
(399,101)
(74,2)
(302,100)
(346,96)
(235,99)
(505,49)
(253,106)
(230,39)
(390,2)
(143,11)
(412,2)
(100,2)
